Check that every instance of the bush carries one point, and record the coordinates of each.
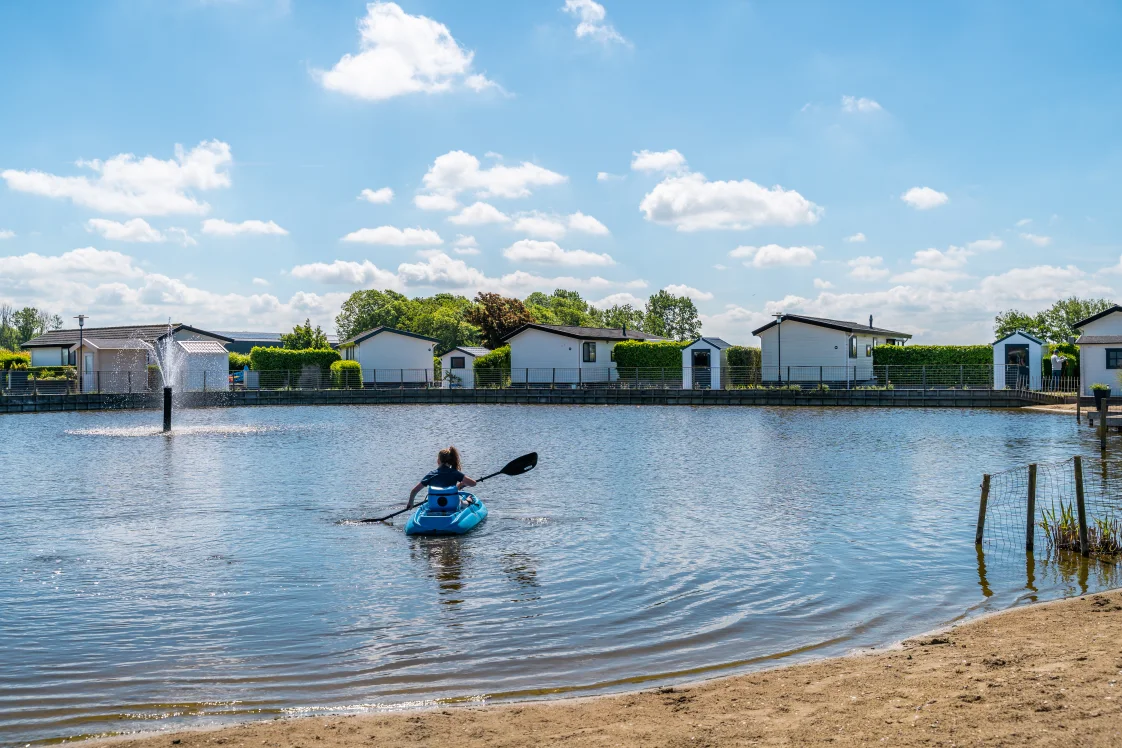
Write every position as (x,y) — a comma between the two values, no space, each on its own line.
(933,355)
(653,354)
(1100,387)
(743,356)
(1070,354)
(346,374)
(14,359)
(52,372)
(436,367)
(239,361)
(496,360)
(283,359)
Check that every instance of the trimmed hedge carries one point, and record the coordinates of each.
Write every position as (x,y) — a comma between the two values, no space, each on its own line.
(346,374)
(496,360)
(14,359)
(933,355)
(238,361)
(652,354)
(741,356)
(283,359)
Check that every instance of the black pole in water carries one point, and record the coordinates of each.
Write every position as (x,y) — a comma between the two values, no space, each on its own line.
(167,408)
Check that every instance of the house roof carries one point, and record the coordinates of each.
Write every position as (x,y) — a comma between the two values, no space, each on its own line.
(264,337)
(201,346)
(1019,332)
(471,350)
(715,342)
(585,333)
(356,339)
(148,333)
(835,324)
(1100,315)
(114,344)
(1098,339)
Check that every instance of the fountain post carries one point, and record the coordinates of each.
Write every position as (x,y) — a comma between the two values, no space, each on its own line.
(167,409)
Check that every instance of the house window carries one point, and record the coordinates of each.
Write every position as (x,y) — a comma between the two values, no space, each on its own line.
(868,350)
(458,362)
(853,346)
(590,352)
(1114,358)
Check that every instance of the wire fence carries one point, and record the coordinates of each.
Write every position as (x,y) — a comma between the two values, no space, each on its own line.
(1056,505)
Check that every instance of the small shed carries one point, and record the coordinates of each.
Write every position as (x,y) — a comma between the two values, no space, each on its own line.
(457,366)
(704,362)
(1017,360)
(206,366)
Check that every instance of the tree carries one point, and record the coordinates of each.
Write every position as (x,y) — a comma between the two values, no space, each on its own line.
(19,326)
(561,308)
(620,315)
(1011,321)
(304,337)
(670,316)
(365,310)
(1055,324)
(496,316)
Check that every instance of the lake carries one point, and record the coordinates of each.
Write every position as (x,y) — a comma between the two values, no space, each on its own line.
(151,581)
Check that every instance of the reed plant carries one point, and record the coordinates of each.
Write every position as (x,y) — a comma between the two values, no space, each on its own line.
(1061,528)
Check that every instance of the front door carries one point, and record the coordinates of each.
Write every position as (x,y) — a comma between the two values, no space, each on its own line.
(1016,366)
(702,377)
(88,374)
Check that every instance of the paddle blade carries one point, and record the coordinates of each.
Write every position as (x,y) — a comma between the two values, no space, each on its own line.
(523,464)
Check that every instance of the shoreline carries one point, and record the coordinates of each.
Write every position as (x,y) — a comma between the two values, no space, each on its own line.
(1046,673)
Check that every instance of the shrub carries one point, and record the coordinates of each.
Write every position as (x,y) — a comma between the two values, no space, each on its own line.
(1100,387)
(743,356)
(496,360)
(283,359)
(346,374)
(649,354)
(933,355)
(1070,354)
(238,361)
(436,368)
(14,359)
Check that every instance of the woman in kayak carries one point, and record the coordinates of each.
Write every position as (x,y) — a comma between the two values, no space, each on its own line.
(446,475)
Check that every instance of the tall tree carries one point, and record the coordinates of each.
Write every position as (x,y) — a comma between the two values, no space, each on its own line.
(671,316)
(496,316)
(1055,324)
(19,326)
(620,315)
(365,310)
(304,337)
(562,307)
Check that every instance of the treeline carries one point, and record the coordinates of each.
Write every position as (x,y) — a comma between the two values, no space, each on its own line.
(17,326)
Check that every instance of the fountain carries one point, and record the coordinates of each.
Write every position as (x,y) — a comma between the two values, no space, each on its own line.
(169,358)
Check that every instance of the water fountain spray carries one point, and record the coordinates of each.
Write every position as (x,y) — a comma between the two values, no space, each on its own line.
(169,358)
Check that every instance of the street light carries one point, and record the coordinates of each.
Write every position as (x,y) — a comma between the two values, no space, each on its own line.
(81,344)
(779,351)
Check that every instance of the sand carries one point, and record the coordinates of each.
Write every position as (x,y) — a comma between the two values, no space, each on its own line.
(1042,675)
(1062,408)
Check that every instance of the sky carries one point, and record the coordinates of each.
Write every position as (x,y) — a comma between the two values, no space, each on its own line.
(247,164)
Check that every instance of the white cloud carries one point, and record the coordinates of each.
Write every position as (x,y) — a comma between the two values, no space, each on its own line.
(402,54)
(540,224)
(6,234)
(458,171)
(924,198)
(853,105)
(603,176)
(690,203)
(985,245)
(855,238)
(436,202)
(466,251)
(144,187)
(134,230)
(378,197)
(619,299)
(180,235)
(395,237)
(531,250)
(1043,283)
(788,303)
(773,255)
(928,276)
(478,214)
(648,161)
(953,257)
(343,272)
(1024,222)
(465,242)
(586,224)
(219,227)
(592,22)
(1038,240)
(822,284)
(867,268)
(681,290)
(260,282)
(735,324)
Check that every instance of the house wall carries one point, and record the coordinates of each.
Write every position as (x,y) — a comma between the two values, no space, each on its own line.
(52,356)
(466,375)
(1035,351)
(116,370)
(545,357)
(206,371)
(807,348)
(389,357)
(1092,357)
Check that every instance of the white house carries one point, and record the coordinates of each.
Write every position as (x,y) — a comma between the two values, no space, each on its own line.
(390,357)
(1017,361)
(704,362)
(457,366)
(564,354)
(1100,349)
(797,348)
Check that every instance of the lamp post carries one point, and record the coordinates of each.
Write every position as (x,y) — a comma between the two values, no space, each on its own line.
(779,349)
(81,345)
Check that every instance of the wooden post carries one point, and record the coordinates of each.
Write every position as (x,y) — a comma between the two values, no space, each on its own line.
(1103,409)
(982,509)
(1030,526)
(1081,507)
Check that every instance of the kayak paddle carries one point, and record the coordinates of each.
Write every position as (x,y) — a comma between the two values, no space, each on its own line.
(518,466)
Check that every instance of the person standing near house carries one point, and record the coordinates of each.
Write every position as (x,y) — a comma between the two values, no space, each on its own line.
(1057,368)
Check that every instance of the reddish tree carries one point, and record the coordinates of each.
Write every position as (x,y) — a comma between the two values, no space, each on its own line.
(497,316)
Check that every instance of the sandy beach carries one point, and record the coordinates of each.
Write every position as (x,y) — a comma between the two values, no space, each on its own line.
(1047,674)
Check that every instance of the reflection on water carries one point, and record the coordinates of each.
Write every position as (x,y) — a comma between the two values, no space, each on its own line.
(200,577)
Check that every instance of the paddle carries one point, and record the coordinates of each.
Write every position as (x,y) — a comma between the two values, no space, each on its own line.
(518,466)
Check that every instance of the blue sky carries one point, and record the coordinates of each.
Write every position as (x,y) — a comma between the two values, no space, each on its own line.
(930,164)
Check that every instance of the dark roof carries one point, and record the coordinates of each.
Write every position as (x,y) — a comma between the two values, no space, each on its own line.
(263,337)
(1019,332)
(715,342)
(472,350)
(356,339)
(149,333)
(586,333)
(1098,339)
(1100,315)
(835,324)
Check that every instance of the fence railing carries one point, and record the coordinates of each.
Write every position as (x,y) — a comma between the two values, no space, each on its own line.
(855,377)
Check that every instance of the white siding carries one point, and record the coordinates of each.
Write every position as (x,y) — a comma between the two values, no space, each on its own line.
(810,351)
(466,375)
(1035,352)
(1092,357)
(546,357)
(718,362)
(390,357)
(49,356)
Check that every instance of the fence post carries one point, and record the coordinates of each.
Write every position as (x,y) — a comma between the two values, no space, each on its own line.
(580,376)
(1103,409)
(819,377)
(662,377)
(924,372)
(204,380)
(982,509)
(788,376)
(961,376)
(1030,525)
(1081,507)
(130,381)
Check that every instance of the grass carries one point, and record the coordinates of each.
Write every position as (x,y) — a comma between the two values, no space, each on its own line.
(1061,528)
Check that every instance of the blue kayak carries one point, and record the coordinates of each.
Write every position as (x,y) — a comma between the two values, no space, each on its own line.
(446,518)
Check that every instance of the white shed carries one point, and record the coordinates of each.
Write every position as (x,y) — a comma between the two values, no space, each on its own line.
(705,362)
(1017,361)
(801,349)
(565,354)
(1100,349)
(205,366)
(391,357)
(457,366)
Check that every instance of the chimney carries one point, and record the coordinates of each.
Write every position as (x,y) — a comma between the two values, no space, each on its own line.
(870,321)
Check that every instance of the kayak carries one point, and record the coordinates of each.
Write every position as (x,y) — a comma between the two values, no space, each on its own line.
(431,520)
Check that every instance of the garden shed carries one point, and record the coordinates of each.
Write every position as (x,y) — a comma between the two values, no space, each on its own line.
(457,366)
(1017,360)
(704,364)
(206,366)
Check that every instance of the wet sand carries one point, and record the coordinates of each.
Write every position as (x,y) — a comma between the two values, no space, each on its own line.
(1041,675)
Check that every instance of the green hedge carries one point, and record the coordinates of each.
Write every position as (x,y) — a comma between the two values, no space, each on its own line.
(654,354)
(239,361)
(1068,351)
(496,360)
(346,374)
(14,359)
(933,355)
(741,356)
(283,359)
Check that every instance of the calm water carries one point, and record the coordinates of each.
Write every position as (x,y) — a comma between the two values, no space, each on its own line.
(150,582)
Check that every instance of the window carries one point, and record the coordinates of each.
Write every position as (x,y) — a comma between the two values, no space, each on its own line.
(853,346)
(458,362)
(589,352)
(1114,358)
(868,350)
